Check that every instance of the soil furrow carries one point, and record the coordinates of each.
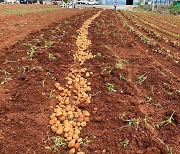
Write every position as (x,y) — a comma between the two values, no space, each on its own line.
(167,66)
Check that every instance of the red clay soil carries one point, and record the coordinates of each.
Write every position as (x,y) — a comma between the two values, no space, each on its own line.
(162,26)
(114,111)
(151,32)
(165,59)
(123,119)
(170,50)
(15,27)
(25,100)
(168,20)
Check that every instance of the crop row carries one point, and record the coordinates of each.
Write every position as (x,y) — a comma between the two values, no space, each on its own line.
(158,37)
(156,27)
(119,65)
(146,40)
(160,19)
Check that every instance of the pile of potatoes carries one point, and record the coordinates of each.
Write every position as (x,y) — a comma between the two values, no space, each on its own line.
(68,119)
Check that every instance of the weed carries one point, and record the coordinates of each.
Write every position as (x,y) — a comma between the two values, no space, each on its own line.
(58,142)
(106,47)
(169,150)
(177,90)
(86,140)
(145,122)
(37,40)
(119,65)
(166,85)
(158,105)
(52,31)
(125,143)
(166,122)
(122,77)
(142,78)
(111,87)
(9,61)
(133,122)
(6,78)
(98,54)
(93,137)
(48,44)
(32,52)
(107,69)
(43,82)
(25,68)
(51,95)
(149,99)
(51,56)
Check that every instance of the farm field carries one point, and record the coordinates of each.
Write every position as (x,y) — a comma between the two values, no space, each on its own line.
(92,81)
(19,20)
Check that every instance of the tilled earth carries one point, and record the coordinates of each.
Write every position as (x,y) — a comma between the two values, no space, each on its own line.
(135,91)
(17,21)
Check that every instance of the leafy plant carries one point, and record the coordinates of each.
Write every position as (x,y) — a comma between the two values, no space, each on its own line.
(119,64)
(166,122)
(125,143)
(146,122)
(107,69)
(111,87)
(169,150)
(51,56)
(6,78)
(149,99)
(142,78)
(58,142)
(133,122)
(51,94)
(48,44)
(32,52)
(122,77)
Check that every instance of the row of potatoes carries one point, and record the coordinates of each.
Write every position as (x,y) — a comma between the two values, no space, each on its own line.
(68,119)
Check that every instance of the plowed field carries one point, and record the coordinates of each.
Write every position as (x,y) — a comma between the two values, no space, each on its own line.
(101,81)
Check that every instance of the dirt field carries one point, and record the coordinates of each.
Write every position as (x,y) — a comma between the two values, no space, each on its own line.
(19,20)
(108,79)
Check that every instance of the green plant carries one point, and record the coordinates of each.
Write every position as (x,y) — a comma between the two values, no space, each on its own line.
(58,142)
(146,122)
(98,54)
(111,87)
(43,82)
(169,150)
(133,121)
(119,64)
(6,78)
(52,31)
(166,122)
(149,99)
(51,56)
(122,77)
(158,105)
(107,69)
(48,44)
(9,61)
(32,52)
(51,95)
(125,143)
(86,141)
(142,78)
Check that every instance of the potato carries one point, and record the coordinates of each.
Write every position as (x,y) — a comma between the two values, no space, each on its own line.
(51,122)
(72,151)
(77,146)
